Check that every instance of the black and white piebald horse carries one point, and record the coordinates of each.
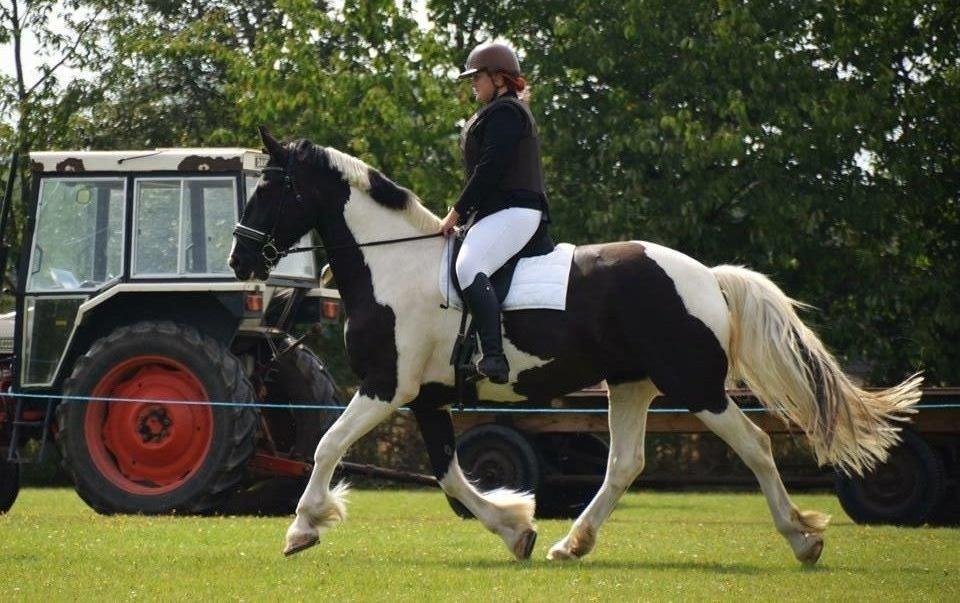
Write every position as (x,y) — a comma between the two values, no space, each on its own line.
(644,318)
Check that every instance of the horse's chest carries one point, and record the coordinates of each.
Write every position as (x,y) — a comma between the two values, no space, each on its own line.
(372,348)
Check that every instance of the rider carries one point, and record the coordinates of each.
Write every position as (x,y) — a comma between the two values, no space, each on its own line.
(503,201)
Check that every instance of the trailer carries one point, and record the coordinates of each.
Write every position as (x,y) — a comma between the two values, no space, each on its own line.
(560,453)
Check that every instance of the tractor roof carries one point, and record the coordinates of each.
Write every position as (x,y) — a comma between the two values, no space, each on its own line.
(177,160)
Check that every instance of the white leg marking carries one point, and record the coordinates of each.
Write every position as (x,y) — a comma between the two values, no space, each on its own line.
(505,512)
(802,529)
(320,507)
(628,420)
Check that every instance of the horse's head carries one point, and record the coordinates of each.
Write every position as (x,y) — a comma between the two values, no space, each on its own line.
(277,214)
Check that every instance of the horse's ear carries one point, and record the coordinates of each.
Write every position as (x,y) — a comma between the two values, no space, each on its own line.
(271,144)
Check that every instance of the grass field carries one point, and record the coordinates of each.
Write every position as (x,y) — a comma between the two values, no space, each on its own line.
(407,545)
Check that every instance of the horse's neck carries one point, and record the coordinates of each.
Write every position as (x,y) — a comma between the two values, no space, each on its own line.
(400,271)
(370,221)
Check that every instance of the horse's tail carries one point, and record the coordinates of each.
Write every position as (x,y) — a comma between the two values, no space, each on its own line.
(793,375)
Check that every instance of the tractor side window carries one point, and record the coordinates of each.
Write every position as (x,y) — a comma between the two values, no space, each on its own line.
(183,226)
(78,240)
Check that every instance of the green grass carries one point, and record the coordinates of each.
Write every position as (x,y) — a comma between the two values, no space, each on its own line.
(407,545)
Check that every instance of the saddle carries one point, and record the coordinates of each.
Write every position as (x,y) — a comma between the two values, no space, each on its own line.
(467,344)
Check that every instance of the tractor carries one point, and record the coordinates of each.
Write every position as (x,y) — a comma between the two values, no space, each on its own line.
(166,384)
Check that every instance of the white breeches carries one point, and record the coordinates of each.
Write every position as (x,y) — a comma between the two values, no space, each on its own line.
(494,240)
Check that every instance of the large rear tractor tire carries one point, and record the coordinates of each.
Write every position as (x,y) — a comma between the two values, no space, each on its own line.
(298,378)
(144,455)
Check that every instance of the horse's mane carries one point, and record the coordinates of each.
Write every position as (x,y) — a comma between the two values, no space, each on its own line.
(381,189)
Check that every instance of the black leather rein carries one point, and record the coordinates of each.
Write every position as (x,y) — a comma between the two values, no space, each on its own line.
(268,248)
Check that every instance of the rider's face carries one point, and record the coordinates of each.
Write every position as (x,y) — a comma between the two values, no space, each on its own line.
(483,87)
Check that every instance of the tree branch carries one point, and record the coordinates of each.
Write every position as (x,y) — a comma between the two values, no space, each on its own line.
(17,32)
(67,55)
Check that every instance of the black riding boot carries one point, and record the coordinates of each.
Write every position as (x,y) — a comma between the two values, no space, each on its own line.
(485,309)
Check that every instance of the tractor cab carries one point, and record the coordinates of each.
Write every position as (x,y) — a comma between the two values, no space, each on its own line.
(109,224)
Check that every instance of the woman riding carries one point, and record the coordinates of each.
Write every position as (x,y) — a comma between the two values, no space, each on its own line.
(503,201)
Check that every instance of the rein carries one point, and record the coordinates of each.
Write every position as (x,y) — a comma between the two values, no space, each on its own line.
(268,247)
(367,244)
(272,255)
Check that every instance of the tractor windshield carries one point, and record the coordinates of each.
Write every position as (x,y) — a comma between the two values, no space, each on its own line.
(79,234)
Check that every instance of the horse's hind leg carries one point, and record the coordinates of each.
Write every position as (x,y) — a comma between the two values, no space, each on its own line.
(628,421)
(507,513)
(802,529)
(320,507)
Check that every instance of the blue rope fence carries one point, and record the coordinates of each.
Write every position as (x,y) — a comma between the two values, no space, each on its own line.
(335,408)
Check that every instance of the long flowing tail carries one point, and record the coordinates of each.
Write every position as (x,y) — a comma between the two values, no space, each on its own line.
(787,367)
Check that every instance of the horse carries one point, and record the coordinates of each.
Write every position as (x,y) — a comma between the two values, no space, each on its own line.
(646,319)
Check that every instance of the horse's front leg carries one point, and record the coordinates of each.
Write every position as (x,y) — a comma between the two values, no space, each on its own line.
(320,507)
(507,513)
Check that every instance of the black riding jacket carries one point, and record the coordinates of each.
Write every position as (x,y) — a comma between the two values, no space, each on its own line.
(501,157)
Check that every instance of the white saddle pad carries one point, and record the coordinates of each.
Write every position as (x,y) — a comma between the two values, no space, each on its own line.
(538,282)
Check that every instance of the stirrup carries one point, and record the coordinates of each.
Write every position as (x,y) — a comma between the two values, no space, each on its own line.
(494,368)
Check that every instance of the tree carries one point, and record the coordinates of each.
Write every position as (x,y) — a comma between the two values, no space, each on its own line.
(365,80)
(166,74)
(35,112)
(737,132)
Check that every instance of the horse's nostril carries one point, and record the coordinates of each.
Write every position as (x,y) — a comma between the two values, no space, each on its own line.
(232,262)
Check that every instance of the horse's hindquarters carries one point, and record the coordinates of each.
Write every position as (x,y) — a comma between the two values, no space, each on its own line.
(634,311)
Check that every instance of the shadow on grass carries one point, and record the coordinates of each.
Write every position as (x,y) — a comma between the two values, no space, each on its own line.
(712,567)
(718,568)
(693,566)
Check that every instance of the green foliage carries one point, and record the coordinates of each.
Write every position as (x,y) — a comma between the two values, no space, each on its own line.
(741,132)
(813,141)
(36,109)
(366,81)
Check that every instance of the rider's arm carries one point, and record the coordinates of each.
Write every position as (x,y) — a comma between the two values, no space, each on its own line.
(501,133)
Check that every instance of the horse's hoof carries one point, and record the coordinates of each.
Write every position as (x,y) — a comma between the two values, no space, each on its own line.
(561,554)
(813,552)
(523,547)
(299,543)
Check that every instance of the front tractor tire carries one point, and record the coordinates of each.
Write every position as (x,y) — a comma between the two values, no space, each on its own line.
(149,456)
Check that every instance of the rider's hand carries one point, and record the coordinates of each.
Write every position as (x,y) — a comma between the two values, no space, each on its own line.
(449,223)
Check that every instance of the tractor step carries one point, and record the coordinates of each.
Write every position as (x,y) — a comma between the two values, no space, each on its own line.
(24,417)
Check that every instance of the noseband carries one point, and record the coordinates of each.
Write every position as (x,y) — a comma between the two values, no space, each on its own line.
(267,242)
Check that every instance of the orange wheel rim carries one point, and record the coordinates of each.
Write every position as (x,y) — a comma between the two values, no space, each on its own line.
(149,447)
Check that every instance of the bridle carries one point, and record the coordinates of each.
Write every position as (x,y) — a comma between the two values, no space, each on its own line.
(267,241)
